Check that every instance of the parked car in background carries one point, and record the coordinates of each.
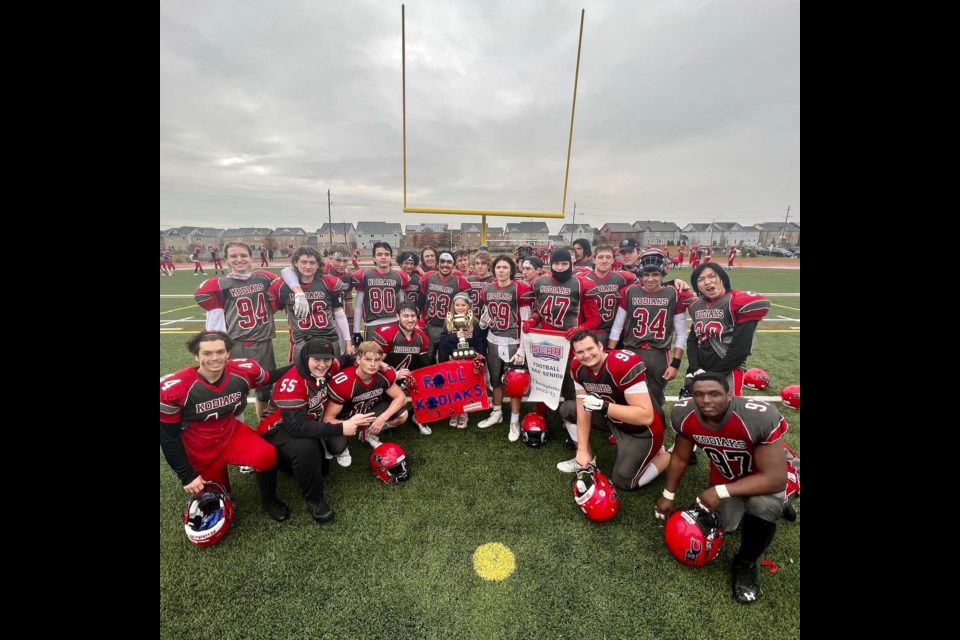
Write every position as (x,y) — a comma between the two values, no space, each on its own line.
(780,252)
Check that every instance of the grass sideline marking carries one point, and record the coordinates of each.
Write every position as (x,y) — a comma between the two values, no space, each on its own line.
(494,562)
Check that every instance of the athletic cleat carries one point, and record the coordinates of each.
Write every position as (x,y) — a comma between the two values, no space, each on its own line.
(276,509)
(495,417)
(744,582)
(514,434)
(572,466)
(344,459)
(320,510)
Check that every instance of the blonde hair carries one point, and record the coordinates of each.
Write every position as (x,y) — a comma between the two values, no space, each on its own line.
(369,347)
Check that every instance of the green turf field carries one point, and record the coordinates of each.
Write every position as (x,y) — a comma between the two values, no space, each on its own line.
(398,561)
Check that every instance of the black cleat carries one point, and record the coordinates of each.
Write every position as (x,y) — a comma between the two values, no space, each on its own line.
(789,512)
(744,582)
(570,445)
(320,510)
(276,509)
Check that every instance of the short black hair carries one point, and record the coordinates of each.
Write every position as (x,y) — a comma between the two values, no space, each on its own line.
(583,334)
(384,245)
(724,278)
(707,376)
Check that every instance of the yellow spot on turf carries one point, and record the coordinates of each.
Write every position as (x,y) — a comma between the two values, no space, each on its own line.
(493,561)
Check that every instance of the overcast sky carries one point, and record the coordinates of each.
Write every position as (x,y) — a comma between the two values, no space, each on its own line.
(687,110)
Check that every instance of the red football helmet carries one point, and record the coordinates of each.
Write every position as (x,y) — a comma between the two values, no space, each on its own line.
(595,496)
(654,260)
(516,382)
(208,515)
(533,430)
(756,379)
(693,536)
(389,463)
(791,396)
(524,251)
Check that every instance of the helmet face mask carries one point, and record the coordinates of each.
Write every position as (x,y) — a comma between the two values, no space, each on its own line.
(693,536)
(389,463)
(595,495)
(209,515)
(533,430)
(653,260)
(756,379)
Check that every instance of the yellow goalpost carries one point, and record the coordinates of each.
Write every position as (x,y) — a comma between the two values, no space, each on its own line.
(479,212)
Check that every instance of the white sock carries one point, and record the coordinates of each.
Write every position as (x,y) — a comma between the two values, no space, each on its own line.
(648,474)
(571,429)
(514,417)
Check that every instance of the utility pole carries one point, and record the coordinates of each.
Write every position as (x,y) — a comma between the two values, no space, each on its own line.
(329,217)
(573,227)
(711,229)
(784,229)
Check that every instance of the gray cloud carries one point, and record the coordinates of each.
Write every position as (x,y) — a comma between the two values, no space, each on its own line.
(686,110)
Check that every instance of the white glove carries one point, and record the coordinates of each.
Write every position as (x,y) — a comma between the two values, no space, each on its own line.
(518,358)
(593,403)
(301,308)
(485,318)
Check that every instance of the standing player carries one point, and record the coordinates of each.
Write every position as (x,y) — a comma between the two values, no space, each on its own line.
(366,388)
(199,431)
(724,325)
(217,264)
(478,281)
(408,261)
(582,252)
(731,255)
(630,255)
(506,301)
(612,396)
(380,291)
(462,261)
(651,318)
(318,300)
(680,253)
(239,304)
(748,469)
(437,289)
(337,266)
(606,290)
(296,428)
(197,264)
(263,257)
(708,255)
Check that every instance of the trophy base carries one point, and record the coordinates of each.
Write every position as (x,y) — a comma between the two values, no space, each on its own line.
(463,354)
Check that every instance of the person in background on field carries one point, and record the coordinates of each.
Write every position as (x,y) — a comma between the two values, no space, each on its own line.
(197,265)
(217,264)
(731,256)
(263,257)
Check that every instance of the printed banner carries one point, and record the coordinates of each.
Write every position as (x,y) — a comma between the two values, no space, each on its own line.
(447,389)
(547,362)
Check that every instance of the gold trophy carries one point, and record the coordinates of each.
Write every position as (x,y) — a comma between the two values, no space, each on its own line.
(457,322)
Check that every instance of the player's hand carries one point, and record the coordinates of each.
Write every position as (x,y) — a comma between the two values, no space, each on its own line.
(357,339)
(593,403)
(669,374)
(485,318)
(709,499)
(360,420)
(680,285)
(402,373)
(530,324)
(194,487)
(301,308)
(518,358)
(663,508)
(572,330)
(377,426)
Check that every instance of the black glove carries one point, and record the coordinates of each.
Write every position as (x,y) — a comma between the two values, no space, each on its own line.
(687,390)
(357,339)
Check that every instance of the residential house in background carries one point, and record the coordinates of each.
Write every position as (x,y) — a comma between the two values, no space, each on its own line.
(343,233)
(779,234)
(253,236)
(614,232)
(571,232)
(654,233)
(287,240)
(369,233)
(532,232)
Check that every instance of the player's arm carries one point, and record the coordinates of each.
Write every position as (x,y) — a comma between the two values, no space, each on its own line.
(274,374)
(172,446)
(679,330)
(740,347)
(682,450)
(637,412)
(399,400)
(300,425)
(617,329)
(770,477)
(584,454)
